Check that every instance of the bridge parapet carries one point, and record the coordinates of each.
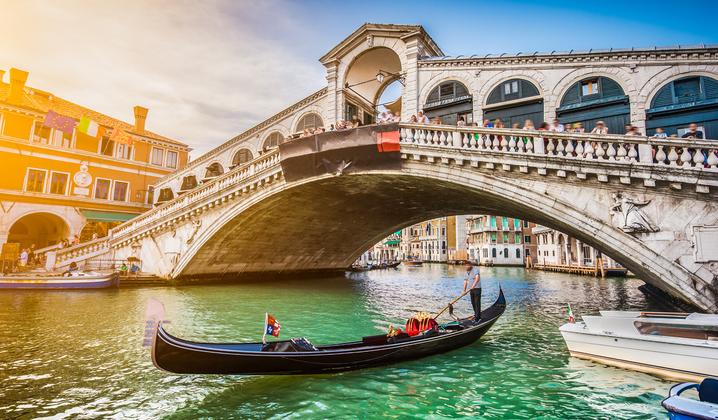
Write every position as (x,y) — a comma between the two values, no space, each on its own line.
(208,195)
(676,161)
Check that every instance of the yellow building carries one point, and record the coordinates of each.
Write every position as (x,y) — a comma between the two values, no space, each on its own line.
(55,184)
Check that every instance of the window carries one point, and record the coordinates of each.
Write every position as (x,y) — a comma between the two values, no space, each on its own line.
(527,239)
(241,157)
(107,146)
(58,182)
(493,252)
(505,223)
(506,252)
(123,151)
(526,224)
(447,92)
(511,87)
(171,160)
(158,156)
(589,87)
(493,222)
(486,253)
(517,238)
(35,181)
(214,170)
(350,110)
(517,224)
(518,253)
(493,237)
(311,121)
(505,238)
(41,134)
(120,190)
(687,89)
(102,188)
(61,139)
(273,140)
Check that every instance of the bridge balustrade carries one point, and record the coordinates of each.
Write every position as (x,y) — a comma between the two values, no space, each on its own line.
(671,152)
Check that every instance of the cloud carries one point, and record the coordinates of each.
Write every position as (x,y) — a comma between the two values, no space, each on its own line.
(207,71)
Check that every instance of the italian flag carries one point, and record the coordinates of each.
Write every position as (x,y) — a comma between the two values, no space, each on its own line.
(571,319)
(89,127)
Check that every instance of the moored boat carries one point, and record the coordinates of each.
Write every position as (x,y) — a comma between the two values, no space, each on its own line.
(413,262)
(299,356)
(75,281)
(669,344)
(684,408)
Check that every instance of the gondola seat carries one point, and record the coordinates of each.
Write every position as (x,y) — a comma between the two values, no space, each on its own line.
(291,345)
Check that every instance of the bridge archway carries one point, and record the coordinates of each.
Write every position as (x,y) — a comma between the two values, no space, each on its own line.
(366,77)
(42,229)
(336,218)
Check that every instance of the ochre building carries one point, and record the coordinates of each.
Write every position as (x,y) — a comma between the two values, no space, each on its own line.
(56,184)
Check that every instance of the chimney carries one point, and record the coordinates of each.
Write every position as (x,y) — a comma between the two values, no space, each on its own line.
(17,84)
(140,118)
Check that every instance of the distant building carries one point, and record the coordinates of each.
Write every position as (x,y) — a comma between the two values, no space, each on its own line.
(558,248)
(433,240)
(75,179)
(497,240)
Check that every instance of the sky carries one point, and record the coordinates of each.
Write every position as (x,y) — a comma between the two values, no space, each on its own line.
(208,70)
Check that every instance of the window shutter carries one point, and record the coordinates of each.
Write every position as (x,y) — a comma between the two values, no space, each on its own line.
(664,97)
(711,87)
(610,88)
(572,96)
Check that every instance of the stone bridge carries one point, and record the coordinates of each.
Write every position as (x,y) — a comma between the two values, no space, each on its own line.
(251,221)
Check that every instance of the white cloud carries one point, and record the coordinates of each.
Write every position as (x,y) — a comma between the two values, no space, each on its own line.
(206,71)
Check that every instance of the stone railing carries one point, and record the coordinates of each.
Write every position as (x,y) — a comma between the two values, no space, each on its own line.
(188,200)
(698,155)
(83,251)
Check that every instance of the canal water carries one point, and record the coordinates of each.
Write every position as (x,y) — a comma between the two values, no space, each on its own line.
(79,354)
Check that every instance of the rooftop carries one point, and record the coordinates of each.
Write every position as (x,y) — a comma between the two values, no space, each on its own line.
(574,52)
(41,101)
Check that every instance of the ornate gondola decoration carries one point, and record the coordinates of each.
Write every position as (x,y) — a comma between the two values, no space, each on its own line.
(299,356)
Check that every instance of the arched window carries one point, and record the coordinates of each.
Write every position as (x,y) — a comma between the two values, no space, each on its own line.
(493,252)
(592,89)
(241,157)
(188,182)
(595,99)
(214,170)
(690,99)
(166,194)
(450,91)
(310,121)
(512,90)
(273,140)
(506,252)
(518,253)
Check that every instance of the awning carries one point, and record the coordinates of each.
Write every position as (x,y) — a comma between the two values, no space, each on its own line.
(106,216)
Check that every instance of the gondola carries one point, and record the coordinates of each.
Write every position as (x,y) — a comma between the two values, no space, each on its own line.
(299,356)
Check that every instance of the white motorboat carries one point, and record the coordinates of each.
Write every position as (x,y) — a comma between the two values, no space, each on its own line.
(674,345)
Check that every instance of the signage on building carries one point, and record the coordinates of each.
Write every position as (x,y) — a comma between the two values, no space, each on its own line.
(447,101)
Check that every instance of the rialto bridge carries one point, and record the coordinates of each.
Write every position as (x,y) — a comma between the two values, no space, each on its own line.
(648,203)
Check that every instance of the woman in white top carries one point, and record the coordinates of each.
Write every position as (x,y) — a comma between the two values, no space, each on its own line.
(600,128)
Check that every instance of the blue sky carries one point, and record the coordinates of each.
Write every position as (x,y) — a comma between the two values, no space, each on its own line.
(209,70)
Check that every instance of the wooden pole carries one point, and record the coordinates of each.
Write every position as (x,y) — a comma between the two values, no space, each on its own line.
(452,302)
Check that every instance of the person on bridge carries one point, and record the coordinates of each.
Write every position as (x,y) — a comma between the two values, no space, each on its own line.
(472,273)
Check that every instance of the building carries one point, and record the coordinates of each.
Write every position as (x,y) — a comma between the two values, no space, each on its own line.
(497,240)
(57,184)
(557,248)
(458,242)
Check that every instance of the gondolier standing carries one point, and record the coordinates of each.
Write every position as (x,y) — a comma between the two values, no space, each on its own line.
(472,274)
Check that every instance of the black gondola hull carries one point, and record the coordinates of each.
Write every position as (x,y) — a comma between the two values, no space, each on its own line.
(181,356)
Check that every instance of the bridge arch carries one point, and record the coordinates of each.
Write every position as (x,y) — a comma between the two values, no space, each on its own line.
(324,232)
(39,228)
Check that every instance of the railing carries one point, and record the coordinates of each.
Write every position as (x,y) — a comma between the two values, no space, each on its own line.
(670,152)
(198,194)
(91,248)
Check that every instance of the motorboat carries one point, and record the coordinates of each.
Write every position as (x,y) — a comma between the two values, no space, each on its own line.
(682,346)
(681,407)
(74,280)
(299,356)
(413,262)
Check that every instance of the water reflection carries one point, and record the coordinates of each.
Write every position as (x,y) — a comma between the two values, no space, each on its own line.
(69,354)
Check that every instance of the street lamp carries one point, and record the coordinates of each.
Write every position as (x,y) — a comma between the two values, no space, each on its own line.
(380,77)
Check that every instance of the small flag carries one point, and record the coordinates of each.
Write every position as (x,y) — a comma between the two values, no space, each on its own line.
(59,122)
(271,326)
(571,319)
(119,136)
(89,127)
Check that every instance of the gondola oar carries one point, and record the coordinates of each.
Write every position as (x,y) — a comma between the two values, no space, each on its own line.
(452,302)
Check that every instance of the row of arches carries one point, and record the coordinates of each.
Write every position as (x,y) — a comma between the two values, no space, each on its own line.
(686,100)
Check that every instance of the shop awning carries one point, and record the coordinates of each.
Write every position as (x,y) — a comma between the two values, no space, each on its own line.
(106,216)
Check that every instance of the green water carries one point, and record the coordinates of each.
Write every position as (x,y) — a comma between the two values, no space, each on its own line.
(79,354)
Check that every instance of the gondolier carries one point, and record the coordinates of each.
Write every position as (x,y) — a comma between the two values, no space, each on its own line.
(473,275)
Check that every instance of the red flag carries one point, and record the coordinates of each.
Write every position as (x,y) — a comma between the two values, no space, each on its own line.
(271,326)
(388,141)
(59,122)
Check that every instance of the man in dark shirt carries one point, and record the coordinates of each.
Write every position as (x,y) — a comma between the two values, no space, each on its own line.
(693,132)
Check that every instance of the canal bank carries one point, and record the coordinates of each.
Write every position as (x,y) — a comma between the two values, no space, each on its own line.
(87,356)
